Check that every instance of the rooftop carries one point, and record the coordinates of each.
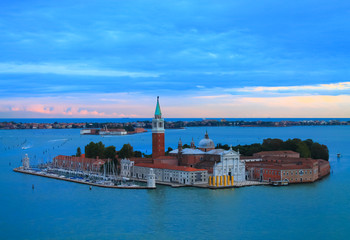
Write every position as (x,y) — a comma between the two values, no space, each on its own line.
(191,151)
(284,164)
(277,152)
(170,167)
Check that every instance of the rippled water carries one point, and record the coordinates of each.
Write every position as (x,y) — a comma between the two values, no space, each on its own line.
(63,210)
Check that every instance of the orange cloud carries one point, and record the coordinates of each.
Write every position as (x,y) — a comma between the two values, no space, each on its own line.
(173,107)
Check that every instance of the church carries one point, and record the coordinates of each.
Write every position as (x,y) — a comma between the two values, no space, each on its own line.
(188,166)
(218,162)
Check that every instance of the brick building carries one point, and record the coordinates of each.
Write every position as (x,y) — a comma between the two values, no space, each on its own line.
(165,172)
(158,148)
(218,162)
(284,153)
(279,166)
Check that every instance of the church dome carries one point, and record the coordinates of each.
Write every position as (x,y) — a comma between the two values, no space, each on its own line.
(206,143)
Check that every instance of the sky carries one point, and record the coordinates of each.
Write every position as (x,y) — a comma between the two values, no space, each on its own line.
(112,58)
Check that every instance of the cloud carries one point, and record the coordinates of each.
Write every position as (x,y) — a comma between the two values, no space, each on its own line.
(201,56)
(213,96)
(340,86)
(79,70)
(81,105)
(142,106)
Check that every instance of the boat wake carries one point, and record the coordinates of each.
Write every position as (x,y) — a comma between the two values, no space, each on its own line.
(26,147)
(58,140)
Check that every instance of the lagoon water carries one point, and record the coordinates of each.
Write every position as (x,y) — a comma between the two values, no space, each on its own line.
(63,210)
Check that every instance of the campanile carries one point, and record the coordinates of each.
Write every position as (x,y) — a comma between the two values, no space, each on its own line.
(158,148)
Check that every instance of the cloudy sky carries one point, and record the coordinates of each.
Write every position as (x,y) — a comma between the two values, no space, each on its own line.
(111,58)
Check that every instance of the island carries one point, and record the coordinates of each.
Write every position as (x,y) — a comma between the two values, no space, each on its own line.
(205,165)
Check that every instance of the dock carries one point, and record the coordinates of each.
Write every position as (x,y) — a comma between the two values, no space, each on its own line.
(19,170)
(174,185)
(240,184)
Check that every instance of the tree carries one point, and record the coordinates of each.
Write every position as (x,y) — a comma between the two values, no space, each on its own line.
(100,149)
(309,143)
(306,148)
(291,144)
(319,151)
(110,152)
(272,144)
(169,150)
(253,148)
(78,154)
(129,128)
(219,145)
(137,154)
(93,150)
(126,151)
(186,146)
(303,149)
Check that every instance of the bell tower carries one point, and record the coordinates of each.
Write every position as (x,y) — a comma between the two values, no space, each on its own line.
(158,148)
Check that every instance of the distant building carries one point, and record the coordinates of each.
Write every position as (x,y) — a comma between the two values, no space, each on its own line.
(113,132)
(164,172)
(25,162)
(165,168)
(217,162)
(89,131)
(126,167)
(284,166)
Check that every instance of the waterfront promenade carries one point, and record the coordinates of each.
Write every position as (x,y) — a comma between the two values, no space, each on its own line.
(19,170)
(173,185)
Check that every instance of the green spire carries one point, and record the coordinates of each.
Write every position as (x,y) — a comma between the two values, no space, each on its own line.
(158,113)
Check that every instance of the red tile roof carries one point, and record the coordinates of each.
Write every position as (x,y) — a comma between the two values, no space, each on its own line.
(284,163)
(165,158)
(277,152)
(167,166)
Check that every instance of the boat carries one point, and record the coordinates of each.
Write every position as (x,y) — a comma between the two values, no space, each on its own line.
(280,183)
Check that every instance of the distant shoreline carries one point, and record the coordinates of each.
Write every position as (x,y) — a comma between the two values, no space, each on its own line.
(169,124)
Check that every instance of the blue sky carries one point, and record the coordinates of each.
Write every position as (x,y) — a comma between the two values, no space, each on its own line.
(203,58)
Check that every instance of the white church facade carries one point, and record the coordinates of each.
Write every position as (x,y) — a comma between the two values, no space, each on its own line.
(230,165)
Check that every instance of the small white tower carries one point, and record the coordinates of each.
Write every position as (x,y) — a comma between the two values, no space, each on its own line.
(151,179)
(25,162)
